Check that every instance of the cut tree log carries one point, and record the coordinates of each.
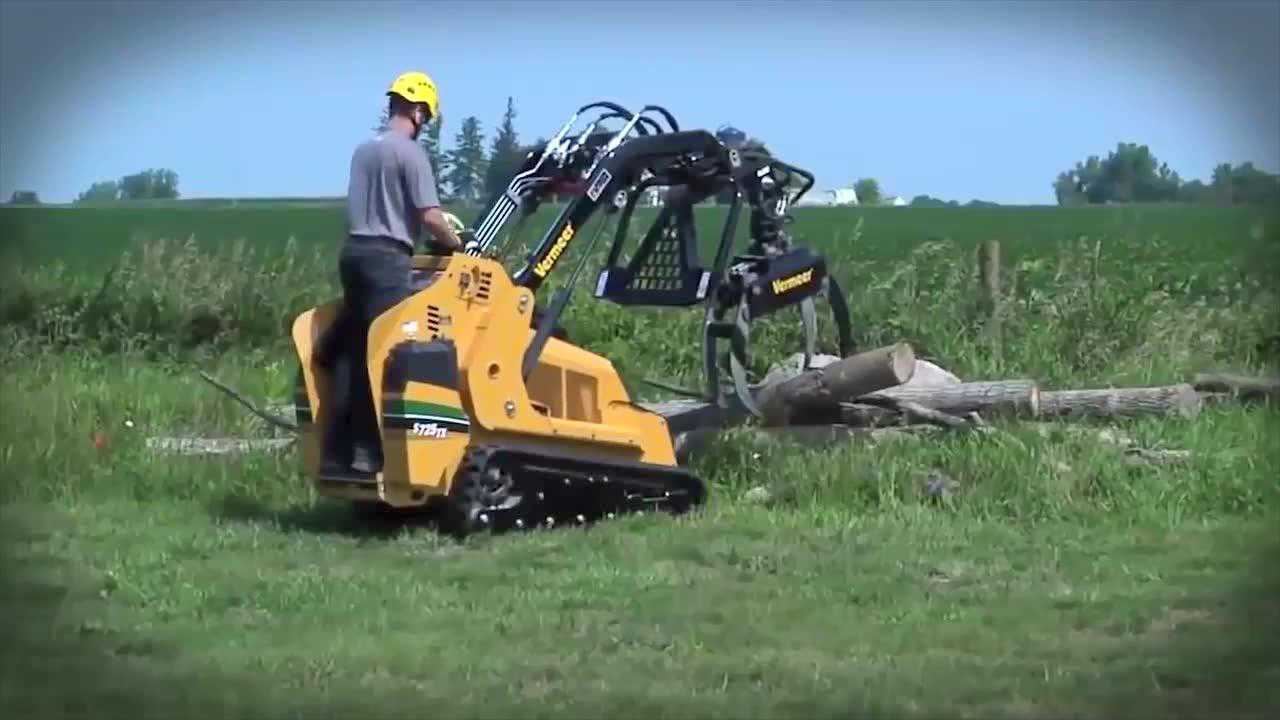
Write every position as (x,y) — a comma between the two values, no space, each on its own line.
(1179,399)
(928,374)
(1241,386)
(815,396)
(1010,397)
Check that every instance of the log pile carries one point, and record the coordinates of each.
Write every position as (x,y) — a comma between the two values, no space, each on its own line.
(888,392)
(876,389)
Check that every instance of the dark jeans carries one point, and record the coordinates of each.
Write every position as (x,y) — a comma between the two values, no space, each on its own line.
(375,274)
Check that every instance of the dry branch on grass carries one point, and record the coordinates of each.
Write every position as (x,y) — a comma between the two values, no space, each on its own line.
(920,412)
(215,446)
(1112,438)
(691,442)
(1156,456)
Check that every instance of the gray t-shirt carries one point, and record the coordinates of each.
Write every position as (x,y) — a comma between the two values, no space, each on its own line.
(391,184)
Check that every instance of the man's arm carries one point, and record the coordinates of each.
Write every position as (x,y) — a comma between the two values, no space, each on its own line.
(434,220)
(426,200)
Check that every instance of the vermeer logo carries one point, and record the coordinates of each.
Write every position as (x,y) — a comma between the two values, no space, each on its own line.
(548,262)
(782,285)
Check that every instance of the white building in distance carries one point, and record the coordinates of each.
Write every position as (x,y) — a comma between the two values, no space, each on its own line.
(845,196)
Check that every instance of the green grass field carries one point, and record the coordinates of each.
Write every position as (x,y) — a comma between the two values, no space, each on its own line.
(85,238)
(1056,580)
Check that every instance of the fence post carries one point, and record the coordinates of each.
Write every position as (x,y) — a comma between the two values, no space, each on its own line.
(989,289)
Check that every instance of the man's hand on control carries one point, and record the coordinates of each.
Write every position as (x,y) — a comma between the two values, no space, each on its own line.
(465,239)
(454,223)
(441,226)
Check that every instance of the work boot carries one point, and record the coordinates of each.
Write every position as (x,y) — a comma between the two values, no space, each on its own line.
(364,460)
(335,463)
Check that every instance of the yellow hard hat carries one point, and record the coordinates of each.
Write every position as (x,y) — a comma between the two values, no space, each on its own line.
(417,87)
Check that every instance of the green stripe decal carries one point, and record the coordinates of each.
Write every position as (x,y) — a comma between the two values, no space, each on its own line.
(418,407)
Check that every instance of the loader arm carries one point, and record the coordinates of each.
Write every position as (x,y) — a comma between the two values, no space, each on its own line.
(609,186)
(562,159)
(616,173)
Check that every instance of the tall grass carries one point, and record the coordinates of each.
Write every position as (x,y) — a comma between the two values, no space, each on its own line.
(1126,308)
(78,429)
(168,297)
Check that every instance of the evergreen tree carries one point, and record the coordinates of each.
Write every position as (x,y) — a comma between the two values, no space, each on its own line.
(466,162)
(430,142)
(505,154)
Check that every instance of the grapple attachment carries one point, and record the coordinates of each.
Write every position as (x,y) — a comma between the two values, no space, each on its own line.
(665,268)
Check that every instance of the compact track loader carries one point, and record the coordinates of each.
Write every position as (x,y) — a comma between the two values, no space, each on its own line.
(480,409)
(483,405)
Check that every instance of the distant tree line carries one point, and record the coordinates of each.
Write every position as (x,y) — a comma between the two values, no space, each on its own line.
(1132,174)
(155,184)
(471,173)
(928,201)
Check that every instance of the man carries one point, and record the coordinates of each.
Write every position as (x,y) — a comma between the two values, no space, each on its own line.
(391,198)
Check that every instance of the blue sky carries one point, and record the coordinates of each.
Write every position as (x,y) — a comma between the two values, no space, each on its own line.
(957,100)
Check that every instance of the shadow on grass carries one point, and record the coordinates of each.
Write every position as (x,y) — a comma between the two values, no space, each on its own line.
(331,517)
(1219,657)
(63,655)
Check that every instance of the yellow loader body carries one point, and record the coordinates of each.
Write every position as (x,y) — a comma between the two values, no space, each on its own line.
(445,366)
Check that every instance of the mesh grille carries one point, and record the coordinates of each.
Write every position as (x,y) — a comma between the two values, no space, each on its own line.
(663,268)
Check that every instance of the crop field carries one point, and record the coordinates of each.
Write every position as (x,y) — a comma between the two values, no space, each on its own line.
(85,238)
(1054,580)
